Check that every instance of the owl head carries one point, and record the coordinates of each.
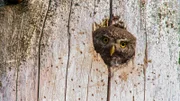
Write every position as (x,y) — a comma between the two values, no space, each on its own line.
(115,45)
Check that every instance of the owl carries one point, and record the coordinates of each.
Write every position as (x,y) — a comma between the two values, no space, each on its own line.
(115,45)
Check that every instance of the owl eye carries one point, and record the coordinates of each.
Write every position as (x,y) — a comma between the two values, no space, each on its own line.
(123,44)
(105,40)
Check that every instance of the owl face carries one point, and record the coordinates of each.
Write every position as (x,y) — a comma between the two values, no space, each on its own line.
(115,45)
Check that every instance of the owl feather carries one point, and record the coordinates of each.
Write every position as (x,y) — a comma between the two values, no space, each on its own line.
(114,43)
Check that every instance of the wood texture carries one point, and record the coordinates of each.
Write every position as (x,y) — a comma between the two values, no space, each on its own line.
(54,52)
(46,51)
(20,27)
(127,82)
(162,41)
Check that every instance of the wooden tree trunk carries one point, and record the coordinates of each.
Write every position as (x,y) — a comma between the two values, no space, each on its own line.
(46,51)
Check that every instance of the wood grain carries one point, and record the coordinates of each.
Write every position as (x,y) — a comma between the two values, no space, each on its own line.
(162,40)
(20,27)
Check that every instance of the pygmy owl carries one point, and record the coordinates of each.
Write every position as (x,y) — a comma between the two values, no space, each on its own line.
(115,45)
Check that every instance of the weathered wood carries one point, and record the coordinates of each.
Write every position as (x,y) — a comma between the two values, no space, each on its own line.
(98,75)
(127,82)
(54,52)
(162,41)
(20,27)
(67,48)
(81,66)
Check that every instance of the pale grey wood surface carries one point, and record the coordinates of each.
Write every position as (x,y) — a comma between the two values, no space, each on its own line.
(54,52)
(46,51)
(162,40)
(20,28)
(127,83)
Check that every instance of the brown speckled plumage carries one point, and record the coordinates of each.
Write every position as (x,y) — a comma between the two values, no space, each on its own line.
(115,36)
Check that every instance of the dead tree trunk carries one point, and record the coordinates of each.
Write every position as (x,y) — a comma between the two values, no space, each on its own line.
(46,51)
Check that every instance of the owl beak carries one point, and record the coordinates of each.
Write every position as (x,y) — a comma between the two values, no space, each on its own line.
(112,50)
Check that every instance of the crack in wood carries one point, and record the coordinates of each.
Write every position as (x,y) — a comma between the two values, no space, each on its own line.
(133,98)
(39,50)
(144,69)
(109,84)
(17,78)
(88,81)
(69,49)
(110,13)
(145,66)
(143,20)
(109,69)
